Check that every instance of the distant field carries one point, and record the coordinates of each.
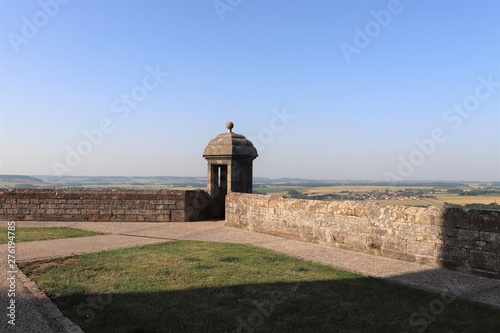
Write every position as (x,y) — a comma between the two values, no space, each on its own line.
(128,187)
(464,199)
(418,203)
(358,189)
(434,193)
(278,190)
(122,187)
(440,198)
(83,182)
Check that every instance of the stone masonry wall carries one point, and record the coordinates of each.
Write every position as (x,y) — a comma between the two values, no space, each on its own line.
(103,205)
(464,241)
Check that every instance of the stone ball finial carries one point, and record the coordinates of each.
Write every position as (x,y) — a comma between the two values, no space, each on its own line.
(229,127)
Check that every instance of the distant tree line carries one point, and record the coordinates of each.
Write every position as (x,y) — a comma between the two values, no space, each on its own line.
(490,206)
(296,194)
(474,192)
(26,186)
(329,196)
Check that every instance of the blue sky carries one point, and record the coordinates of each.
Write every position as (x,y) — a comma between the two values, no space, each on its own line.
(358,90)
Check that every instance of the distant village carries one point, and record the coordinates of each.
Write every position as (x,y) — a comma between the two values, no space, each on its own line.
(407,194)
(377,195)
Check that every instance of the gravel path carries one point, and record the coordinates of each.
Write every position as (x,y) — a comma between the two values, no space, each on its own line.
(33,317)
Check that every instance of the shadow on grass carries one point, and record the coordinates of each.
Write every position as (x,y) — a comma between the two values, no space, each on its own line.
(347,305)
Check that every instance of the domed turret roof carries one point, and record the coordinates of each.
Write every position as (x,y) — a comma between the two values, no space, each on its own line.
(230,144)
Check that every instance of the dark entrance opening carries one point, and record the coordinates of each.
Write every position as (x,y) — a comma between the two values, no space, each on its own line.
(219,186)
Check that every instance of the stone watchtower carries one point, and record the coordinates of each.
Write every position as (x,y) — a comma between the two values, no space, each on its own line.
(230,157)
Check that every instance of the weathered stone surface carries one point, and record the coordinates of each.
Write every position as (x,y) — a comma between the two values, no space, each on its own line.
(485,220)
(457,218)
(450,232)
(483,260)
(493,247)
(468,235)
(449,253)
(490,236)
(429,236)
(104,205)
(452,241)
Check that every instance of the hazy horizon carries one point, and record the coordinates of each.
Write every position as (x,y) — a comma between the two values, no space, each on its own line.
(380,90)
(272,178)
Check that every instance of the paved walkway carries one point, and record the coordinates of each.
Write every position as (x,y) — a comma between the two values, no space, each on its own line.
(35,318)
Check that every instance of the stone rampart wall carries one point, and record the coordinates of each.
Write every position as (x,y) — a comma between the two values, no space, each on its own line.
(103,205)
(465,241)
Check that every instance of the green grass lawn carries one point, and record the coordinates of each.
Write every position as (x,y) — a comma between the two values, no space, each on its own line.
(23,234)
(192,286)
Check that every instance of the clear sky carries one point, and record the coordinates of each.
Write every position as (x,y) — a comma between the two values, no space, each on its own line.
(358,90)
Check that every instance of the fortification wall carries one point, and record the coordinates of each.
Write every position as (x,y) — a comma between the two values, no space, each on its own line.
(465,241)
(103,205)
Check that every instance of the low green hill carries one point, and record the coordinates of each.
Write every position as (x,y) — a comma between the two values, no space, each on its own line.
(19,181)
